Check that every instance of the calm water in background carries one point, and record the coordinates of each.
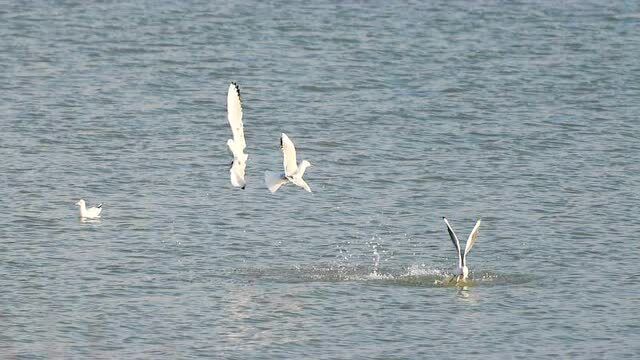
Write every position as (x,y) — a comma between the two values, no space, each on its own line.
(523,114)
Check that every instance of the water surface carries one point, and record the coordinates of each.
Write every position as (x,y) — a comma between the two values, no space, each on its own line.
(524,114)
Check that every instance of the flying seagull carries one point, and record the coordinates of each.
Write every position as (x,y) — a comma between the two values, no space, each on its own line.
(237,144)
(90,213)
(462,271)
(292,171)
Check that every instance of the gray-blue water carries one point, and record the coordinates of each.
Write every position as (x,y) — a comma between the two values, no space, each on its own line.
(523,114)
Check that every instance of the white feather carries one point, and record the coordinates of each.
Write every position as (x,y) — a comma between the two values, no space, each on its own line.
(462,270)
(234,115)
(237,144)
(288,155)
(454,239)
(90,213)
(236,173)
(274,180)
(292,172)
(473,236)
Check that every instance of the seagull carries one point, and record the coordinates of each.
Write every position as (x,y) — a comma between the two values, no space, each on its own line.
(237,144)
(292,172)
(462,271)
(90,213)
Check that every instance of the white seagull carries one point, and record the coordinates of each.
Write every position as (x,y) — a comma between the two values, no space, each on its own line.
(462,271)
(237,144)
(90,213)
(292,172)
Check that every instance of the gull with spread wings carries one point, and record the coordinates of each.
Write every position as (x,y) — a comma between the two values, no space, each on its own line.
(462,271)
(292,171)
(237,144)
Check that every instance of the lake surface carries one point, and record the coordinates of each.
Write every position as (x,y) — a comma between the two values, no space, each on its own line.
(523,114)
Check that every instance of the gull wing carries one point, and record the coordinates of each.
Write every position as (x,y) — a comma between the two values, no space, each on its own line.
(455,241)
(234,115)
(473,236)
(274,180)
(94,211)
(289,155)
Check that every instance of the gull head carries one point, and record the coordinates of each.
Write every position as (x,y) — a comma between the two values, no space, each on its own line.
(303,167)
(80,202)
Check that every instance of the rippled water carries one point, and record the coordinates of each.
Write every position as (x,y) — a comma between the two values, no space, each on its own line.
(524,114)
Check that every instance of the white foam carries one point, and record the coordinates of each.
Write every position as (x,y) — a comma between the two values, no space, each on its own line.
(423,270)
(378,276)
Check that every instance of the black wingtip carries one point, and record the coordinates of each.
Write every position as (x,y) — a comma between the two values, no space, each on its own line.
(243,187)
(235,85)
(99,206)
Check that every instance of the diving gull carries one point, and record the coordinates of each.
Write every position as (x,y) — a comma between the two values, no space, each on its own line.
(237,144)
(292,171)
(462,271)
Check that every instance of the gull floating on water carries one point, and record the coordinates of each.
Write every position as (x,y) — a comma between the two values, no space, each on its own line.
(237,144)
(292,172)
(462,271)
(90,213)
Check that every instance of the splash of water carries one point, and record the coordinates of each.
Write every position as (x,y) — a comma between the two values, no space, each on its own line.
(376,259)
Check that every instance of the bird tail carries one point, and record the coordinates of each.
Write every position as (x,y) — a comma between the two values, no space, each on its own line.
(273,180)
(300,182)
